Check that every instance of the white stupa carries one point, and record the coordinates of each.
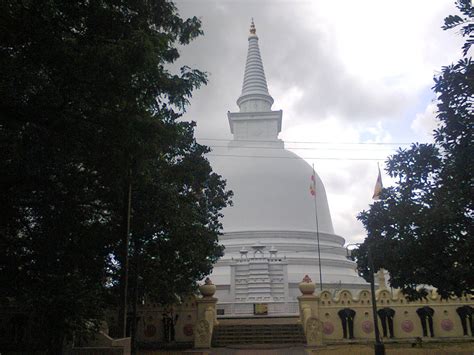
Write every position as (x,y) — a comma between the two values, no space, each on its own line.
(270,233)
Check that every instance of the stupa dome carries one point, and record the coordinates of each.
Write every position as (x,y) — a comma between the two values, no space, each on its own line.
(271,190)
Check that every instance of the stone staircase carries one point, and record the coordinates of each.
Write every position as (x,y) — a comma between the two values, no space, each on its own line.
(232,332)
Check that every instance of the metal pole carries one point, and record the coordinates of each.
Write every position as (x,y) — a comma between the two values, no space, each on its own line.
(133,325)
(317,233)
(379,347)
(122,319)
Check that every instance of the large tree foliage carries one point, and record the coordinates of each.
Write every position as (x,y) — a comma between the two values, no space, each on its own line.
(422,229)
(176,222)
(176,203)
(88,105)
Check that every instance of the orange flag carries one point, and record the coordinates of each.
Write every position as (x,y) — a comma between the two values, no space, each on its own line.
(312,186)
(378,187)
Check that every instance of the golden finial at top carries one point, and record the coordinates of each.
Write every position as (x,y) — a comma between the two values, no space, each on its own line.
(252,28)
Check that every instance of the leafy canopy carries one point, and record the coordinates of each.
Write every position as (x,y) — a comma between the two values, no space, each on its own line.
(421,230)
(86,97)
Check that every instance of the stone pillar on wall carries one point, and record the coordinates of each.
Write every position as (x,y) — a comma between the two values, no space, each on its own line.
(206,315)
(309,313)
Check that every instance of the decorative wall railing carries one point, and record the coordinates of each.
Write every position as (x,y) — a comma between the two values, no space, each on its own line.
(397,317)
(327,318)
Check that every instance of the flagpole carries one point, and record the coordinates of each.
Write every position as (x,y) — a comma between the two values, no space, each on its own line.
(317,233)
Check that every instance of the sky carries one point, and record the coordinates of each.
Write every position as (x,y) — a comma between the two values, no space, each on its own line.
(342,72)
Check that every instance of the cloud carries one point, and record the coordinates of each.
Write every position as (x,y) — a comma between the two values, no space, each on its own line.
(296,54)
(340,71)
(349,183)
(425,123)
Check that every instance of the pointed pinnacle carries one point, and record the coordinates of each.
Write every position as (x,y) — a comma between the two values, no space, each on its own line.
(252,28)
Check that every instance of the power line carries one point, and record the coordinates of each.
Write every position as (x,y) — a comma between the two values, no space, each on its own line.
(297,157)
(306,142)
(301,148)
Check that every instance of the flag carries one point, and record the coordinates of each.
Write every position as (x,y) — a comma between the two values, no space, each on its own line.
(378,187)
(312,186)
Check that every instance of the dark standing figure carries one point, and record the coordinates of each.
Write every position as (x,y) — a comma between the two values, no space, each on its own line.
(169,322)
(347,316)
(166,332)
(466,313)
(172,323)
(386,317)
(426,316)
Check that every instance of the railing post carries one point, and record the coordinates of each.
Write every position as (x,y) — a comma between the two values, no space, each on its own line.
(309,313)
(206,315)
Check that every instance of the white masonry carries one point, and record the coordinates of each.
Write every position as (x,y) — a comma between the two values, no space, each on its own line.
(270,231)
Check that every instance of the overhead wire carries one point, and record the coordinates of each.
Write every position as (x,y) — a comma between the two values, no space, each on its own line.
(297,157)
(307,142)
(302,148)
(328,146)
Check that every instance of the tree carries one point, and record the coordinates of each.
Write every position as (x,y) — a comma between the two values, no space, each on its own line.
(176,222)
(175,212)
(422,229)
(88,105)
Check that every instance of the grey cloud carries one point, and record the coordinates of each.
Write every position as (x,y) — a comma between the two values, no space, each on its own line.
(293,56)
(297,51)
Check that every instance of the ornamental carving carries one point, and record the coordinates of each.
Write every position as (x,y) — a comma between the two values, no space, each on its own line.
(447,324)
(367,326)
(307,286)
(314,329)
(150,331)
(208,289)
(188,330)
(203,332)
(407,326)
(328,328)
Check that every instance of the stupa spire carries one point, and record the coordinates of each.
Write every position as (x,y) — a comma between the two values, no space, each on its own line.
(255,96)
(256,121)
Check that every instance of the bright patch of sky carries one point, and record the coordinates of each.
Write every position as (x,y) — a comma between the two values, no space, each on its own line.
(341,71)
